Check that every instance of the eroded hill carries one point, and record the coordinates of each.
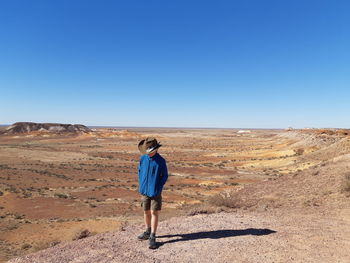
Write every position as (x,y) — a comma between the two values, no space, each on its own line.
(28,127)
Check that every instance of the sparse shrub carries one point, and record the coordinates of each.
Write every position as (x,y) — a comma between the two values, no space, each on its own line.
(123,225)
(61,195)
(54,243)
(316,173)
(12,189)
(19,216)
(27,194)
(40,245)
(346,183)
(4,166)
(81,234)
(26,246)
(312,202)
(12,227)
(227,199)
(203,209)
(299,151)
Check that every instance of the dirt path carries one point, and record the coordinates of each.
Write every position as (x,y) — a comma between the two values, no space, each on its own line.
(279,236)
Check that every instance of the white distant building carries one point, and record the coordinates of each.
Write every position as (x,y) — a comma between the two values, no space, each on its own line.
(244,131)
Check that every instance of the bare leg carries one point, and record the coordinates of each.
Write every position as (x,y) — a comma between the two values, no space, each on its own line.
(147,218)
(154,223)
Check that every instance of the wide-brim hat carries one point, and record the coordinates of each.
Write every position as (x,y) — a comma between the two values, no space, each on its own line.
(148,145)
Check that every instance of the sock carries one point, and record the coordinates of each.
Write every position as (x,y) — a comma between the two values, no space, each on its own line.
(153,234)
(148,230)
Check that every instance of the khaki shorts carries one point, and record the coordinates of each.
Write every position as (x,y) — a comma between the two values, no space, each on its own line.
(151,203)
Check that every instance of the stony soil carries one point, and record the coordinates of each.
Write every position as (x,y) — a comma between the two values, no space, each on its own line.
(282,236)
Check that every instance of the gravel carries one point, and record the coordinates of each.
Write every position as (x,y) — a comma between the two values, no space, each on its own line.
(270,236)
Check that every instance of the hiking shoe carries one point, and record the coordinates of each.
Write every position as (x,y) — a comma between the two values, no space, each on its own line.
(144,236)
(152,242)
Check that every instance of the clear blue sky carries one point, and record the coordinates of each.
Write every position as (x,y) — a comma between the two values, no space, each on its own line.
(176,63)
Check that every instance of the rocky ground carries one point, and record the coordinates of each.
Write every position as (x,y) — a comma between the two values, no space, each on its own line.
(283,236)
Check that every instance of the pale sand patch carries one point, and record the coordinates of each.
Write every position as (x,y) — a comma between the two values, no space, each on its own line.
(44,156)
(58,231)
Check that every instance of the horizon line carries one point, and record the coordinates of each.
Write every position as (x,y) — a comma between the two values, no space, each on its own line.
(153,127)
(181,127)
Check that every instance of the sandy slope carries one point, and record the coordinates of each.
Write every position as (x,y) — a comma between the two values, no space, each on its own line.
(278,236)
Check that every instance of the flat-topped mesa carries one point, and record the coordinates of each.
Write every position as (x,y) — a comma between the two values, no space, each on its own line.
(25,127)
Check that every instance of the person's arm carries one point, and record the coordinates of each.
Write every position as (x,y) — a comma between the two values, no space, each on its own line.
(139,169)
(164,177)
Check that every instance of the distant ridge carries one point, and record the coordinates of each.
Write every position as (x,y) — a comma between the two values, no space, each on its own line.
(25,127)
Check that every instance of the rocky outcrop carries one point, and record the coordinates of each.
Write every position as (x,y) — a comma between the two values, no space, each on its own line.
(25,127)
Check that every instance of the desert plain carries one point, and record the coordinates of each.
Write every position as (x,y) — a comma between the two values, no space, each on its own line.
(59,187)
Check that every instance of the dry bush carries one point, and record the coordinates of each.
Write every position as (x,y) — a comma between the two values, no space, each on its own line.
(81,234)
(54,243)
(123,225)
(343,132)
(299,151)
(40,245)
(203,209)
(59,195)
(227,199)
(323,131)
(26,246)
(346,183)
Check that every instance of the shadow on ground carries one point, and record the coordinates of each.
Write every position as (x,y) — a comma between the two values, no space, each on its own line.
(217,234)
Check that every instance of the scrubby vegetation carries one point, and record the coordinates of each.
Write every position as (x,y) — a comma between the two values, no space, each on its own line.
(227,199)
(346,183)
(82,233)
(203,209)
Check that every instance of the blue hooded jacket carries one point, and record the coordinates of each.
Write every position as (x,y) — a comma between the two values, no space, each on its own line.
(152,174)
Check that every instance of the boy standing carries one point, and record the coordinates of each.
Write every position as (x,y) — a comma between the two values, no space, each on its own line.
(152,175)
